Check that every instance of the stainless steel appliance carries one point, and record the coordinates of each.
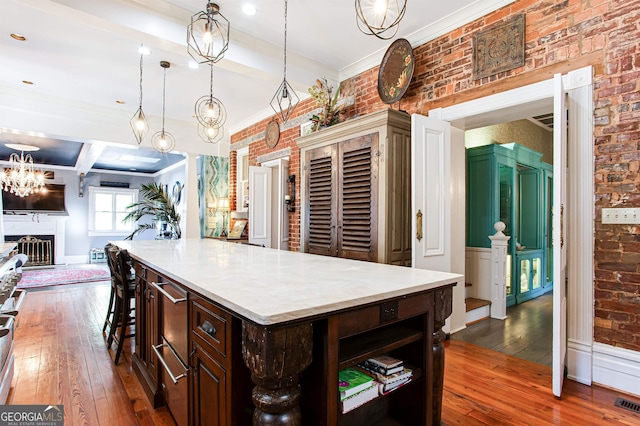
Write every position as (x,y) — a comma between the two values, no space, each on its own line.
(173,352)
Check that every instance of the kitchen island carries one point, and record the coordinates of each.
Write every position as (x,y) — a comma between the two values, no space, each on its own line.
(294,320)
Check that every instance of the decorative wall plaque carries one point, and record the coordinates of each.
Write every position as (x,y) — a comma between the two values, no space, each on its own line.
(499,48)
(272,134)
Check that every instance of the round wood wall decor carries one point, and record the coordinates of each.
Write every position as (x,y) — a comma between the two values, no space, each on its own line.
(396,71)
(272,134)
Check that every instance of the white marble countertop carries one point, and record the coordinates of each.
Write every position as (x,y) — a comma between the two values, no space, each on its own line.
(269,286)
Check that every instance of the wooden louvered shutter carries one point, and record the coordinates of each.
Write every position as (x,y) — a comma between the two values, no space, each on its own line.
(357,187)
(322,200)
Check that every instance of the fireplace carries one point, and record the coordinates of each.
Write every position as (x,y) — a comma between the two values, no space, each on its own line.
(51,228)
(38,248)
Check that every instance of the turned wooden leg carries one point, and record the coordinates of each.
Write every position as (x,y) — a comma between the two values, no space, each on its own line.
(443,308)
(276,356)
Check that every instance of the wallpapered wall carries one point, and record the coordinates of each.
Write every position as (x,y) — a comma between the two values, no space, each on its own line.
(213,184)
(523,132)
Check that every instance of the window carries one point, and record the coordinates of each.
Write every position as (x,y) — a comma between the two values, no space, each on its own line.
(107,208)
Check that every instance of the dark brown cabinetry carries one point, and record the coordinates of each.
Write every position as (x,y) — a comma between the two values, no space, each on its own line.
(356,189)
(206,395)
(145,361)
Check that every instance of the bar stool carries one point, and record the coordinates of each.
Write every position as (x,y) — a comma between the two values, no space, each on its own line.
(125,286)
(112,297)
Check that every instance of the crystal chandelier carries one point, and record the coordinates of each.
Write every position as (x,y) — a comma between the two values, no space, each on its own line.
(285,100)
(211,115)
(21,179)
(163,141)
(208,35)
(376,17)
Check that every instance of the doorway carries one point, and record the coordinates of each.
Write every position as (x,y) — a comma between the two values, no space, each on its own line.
(509,177)
(268,216)
(579,216)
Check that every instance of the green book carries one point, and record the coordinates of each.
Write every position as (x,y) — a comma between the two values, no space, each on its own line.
(352,381)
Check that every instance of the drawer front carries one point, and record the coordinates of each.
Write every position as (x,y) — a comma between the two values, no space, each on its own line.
(387,312)
(210,324)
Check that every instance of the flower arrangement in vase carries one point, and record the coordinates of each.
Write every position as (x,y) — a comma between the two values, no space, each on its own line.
(331,113)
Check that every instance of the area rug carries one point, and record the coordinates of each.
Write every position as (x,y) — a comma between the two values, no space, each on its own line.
(48,277)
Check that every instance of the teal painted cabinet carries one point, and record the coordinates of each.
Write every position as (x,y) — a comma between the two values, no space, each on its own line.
(510,183)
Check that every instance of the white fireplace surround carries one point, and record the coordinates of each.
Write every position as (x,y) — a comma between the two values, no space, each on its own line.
(38,224)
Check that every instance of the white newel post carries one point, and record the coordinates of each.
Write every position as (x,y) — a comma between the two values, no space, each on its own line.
(499,245)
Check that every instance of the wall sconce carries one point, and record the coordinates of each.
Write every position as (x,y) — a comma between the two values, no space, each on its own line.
(290,199)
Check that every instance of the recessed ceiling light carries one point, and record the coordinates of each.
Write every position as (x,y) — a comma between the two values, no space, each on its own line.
(18,37)
(21,147)
(27,82)
(249,9)
(144,50)
(193,65)
(120,102)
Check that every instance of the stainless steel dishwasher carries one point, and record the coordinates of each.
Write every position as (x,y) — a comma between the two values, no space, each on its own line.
(173,352)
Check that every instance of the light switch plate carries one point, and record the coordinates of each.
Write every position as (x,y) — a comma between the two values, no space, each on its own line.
(621,215)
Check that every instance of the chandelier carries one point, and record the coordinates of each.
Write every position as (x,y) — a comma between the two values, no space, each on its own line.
(376,17)
(21,179)
(285,100)
(211,114)
(208,35)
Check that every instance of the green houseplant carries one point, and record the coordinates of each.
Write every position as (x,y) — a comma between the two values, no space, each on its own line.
(158,203)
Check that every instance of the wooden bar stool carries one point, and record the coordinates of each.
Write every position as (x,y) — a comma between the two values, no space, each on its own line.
(112,297)
(123,315)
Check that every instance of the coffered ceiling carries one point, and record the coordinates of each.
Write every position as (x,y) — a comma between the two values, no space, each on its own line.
(82,57)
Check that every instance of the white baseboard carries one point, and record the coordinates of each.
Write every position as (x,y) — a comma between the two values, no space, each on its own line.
(74,260)
(616,368)
(579,356)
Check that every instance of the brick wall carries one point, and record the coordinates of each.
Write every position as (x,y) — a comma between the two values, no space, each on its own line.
(560,36)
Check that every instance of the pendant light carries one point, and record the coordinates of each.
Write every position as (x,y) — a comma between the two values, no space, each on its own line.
(138,122)
(376,17)
(163,141)
(208,35)
(210,113)
(285,100)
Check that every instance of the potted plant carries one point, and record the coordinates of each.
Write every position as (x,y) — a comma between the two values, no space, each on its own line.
(156,202)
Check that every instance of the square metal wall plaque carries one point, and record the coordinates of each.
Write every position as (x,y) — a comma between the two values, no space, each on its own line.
(499,48)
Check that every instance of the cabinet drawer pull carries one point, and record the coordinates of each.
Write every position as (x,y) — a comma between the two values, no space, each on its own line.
(208,328)
(156,349)
(166,294)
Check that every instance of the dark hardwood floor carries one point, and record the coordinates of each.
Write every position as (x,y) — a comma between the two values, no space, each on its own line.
(526,333)
(61,358)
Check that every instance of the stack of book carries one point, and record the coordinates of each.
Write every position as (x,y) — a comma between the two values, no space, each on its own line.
(389,372)
(356,388)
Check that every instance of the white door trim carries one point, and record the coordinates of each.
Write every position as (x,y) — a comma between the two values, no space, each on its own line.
(579,86)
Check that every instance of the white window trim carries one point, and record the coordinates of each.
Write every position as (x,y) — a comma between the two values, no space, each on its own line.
(93,190)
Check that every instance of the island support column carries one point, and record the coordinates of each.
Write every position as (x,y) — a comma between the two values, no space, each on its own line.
(276,356)
(443,306)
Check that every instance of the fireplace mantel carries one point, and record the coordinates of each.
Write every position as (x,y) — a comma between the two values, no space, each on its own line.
(38,224)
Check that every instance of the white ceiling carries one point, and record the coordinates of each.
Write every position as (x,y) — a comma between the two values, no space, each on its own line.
(82,56)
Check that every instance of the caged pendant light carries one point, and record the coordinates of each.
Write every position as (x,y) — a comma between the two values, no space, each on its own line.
(285,100)
(208,35)
(211,114)
(163,141)
(138,122)
(376,17)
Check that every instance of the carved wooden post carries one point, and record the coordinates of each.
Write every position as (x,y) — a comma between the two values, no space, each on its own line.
(276,356)
(499,247)
(443,305)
